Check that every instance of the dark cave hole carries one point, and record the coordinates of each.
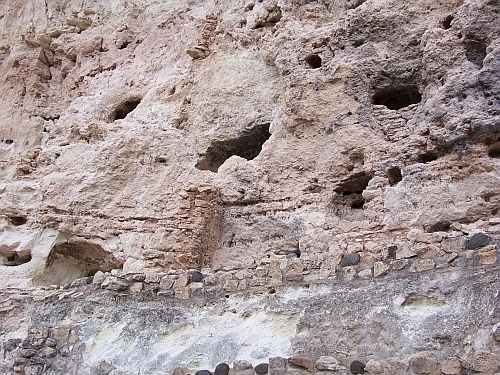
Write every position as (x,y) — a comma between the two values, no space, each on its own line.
(494,151)
(397,96)
(394,175)
(8,141)
(427,157)
(314,61)
(18,220)
(124,109)
(349,198)
(248,144)
(358,43)
(446,23)
(475,50)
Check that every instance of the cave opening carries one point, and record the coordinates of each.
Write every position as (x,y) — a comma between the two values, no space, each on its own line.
(396,97)
(124,108)
(18,220)
(314,61)
(446,22)
(248,144)
(394,175)
(75,259)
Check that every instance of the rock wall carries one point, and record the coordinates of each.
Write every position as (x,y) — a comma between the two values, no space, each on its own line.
(312,186)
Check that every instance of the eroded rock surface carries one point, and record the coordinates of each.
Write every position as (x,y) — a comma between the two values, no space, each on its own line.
(311,186)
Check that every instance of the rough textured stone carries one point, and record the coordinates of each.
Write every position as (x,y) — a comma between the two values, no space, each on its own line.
(374,367)
(450,365)
(485,361)
(153,138)
(424,363)
(422,265)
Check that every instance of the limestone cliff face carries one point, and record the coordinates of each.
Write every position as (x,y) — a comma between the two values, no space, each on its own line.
(310,184)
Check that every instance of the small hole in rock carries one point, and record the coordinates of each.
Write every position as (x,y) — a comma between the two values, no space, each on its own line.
(18,220)
(226,296)
(394,175)
(314,61)
(248,144)
(446,23)
(8,141)
(271,291)
(397,96)
(124,109)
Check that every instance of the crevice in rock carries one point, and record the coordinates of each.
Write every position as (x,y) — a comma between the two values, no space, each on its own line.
(74,259)
(394,175)
(475,50)
(397,96)
(314,61)
(123,109)
(348,201)
(248,145)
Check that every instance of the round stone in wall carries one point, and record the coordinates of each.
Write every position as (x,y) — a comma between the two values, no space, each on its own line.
(222,369)
(357,367)
(262,369)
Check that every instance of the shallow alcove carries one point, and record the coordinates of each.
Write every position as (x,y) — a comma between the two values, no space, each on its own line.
(248,144)
(348,201)
(314,61)
(494,151)
(14,258)
(399,96)
(394,175)
(440,226)
(74,259)
(475,50)
(427,157)
(124,108)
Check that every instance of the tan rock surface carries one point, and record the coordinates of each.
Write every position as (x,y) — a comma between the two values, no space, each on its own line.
(258,144)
